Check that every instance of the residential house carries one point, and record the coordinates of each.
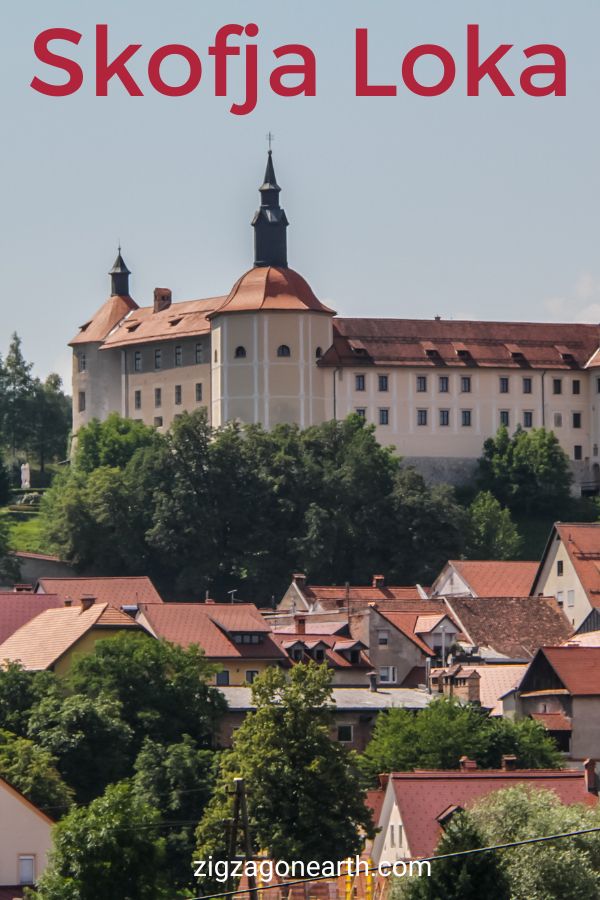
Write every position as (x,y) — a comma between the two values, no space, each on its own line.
(354,710)
(561,689)
(344,655)
(417,805)
(301,597)
(53,638)
(570,571)
(511,629)
(485,685)
(234,636)
(121,593)
(34,566)
(25,842)
(19,607)
(484,578)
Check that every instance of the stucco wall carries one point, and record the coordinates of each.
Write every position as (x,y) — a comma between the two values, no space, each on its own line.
(565,587)
(23,832)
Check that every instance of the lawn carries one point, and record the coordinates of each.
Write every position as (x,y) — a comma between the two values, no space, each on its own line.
(26,534)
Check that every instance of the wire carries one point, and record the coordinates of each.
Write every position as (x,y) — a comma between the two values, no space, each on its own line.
(367,871)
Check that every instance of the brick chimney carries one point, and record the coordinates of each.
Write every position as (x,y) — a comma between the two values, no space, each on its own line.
(301,624)
(299,580)
(162,299)
(379,581)
(466,764)
(509,762)
(591,782)
(87,602)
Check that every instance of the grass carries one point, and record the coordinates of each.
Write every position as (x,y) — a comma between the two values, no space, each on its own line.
(26,534)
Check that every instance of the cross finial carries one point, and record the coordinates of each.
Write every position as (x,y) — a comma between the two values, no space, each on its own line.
(270,138)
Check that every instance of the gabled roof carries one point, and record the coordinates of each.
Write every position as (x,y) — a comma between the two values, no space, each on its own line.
(582,543)
(334,646)
(15,792)
(556,721)
(424,795)
(17,608)
(407,621)
(104,320)
(331,597)
(491,578)
(509,627)
(40,643)
(577,668)
(117,592)
(211,626)
(187,318)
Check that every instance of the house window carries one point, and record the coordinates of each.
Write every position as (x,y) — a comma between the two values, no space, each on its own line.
(222,679)
(577,451)
(344,734)
(465,384)
(137,399)
(240,352)
(81,362)
(443,384)
(527,385)
(504,385)
(199,353)
(387,674)
(598,385)
(392,837)
(198,392)
(444,417)
(359,382)
(465,418)
(560,597)
(216,356)
(384,416)
(297,654)
(361,411)
(557,385)
(318,353)
(81,401)
(383,382)
(576,386)
(157,397)
(355,657)
(527,419)
(421,417)
(178,355)
(158,359)
(177,395)
(383,638)
(504,417)
(576,420)
(421,383)
(26,869)
(137,361)
(558,420)
(251,674)
(570,598)
(559,567)
(284,350)
(158,421)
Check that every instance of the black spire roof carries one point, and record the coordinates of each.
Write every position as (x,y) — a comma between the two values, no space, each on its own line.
(270,223)
(119,277)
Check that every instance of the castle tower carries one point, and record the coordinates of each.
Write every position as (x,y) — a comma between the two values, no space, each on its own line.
(268,334)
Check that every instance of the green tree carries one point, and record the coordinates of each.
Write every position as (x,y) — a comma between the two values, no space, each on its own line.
(295,775)
(491,533)
(20,690)
(9,565)
(4,479)
(18,387)
(87,737)
(462,878)
(32,770)
(524,738)
(49,413)
(108,849)
(111,443)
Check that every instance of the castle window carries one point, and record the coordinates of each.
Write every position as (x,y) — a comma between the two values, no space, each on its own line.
(527,384)
(158,359)
(444,417)
(81,401)
(240,353)
(198,392)
(359,382)
(577,451)
(157,397)
(528,418)
(465,417)
(443,384)
(137,361)
(199,353)
(283,350)
(504,385)
(504,417)
(178,355)
(158,421)
(465,384)
(318,353)
(421,383)
(177,395)
(137,399)
(557,385)
(383,382)
(576,386)
(361,412)
(421,417)
(576,420)
(81,362)
(384,416)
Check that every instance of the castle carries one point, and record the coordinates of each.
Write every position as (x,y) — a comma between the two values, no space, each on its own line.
(270,352)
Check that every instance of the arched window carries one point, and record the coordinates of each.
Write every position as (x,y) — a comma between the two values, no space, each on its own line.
(318,353)
(240,352)
(283,350)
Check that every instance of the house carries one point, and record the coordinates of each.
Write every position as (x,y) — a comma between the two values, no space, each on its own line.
(570,572)
(561,689)
(301,597)
(34,566)
(120,593)
(418,804)
(19,607)
(234,636)
(507,628)
(25,841)
(343,654)
(484,578)
(354,710)
(53,638)
(485,685)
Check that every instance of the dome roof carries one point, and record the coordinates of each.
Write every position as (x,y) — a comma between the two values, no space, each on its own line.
(271,288)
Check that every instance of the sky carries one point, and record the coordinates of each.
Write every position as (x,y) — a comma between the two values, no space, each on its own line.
(401,206)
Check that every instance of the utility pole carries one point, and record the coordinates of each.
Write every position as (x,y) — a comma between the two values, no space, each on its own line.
(241,793)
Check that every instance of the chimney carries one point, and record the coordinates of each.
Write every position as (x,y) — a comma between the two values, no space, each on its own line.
(68,601)
(509,762)
(378,581)
(162,299)
(466,764)
(373,681)
(299,580)
(301,624)
(589,769)
(87,602)
(209,602)
(383,780)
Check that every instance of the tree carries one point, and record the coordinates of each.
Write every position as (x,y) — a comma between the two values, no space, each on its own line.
(18,386)
(9,565)
(32,770)
(49,414)
(491,533)
(295,775)
(20,690)
(463,878)
(111,443)
(4,479)
(107,849)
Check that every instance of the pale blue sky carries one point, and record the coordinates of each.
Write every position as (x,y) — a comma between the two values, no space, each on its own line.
(401,206)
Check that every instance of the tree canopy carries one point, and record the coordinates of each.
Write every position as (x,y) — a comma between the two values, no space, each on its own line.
(491,532)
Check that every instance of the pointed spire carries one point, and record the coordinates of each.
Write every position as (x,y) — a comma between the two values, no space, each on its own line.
(270,223)
(119,277)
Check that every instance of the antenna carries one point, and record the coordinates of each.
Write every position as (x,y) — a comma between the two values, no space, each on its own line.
(232,597)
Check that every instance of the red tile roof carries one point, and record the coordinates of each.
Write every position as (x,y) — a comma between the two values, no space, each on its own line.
(188,318)
(333,646)
(431,343)
(490,578)
(210,625)
(511,627)
(104,320)
(405,622)
(556,721)
(115,591)
(374,802)
(422,796)
(18,608)
(338,596)
(578,668)
(271,288)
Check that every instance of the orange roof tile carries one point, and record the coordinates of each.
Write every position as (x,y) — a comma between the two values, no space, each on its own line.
(18,608)
(556,721)
(329,596)
(582,543)
(104,320)
(117,592)
(578,668)
(187,318)
(271,288)
(490,578)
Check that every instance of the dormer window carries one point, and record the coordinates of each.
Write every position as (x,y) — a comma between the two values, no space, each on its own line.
(284,351)
(355,657)
(297,654)
(319,655)
(240,352)
(246,637)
